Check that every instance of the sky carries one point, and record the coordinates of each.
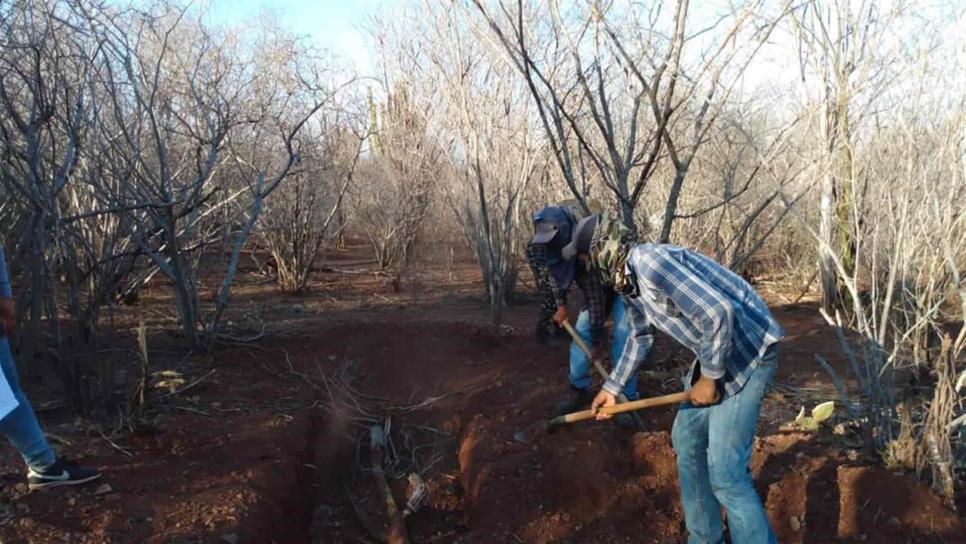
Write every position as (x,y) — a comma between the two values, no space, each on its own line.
(338,25)
(333,24)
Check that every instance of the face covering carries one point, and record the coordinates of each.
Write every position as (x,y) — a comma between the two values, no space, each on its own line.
(608,250)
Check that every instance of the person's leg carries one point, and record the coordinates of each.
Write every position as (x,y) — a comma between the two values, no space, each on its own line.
(539,280)
(44,469)
(622,332)
(580,377)
(702,511)
(732,425)
(548,306)
(579,396)
(21,426)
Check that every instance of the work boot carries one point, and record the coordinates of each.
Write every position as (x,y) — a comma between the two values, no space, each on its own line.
(541,335)
(625,420)
(578,399)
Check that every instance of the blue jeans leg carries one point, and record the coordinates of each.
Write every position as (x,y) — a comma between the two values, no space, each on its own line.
(580,377)
(714,446)
(622,333)
(21,426)
(580,365)
(702,511)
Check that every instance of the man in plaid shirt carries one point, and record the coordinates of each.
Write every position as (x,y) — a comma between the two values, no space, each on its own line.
(717,315)
(553,226)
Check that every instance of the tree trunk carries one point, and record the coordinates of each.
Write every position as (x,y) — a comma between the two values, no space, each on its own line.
(627,217)
(184,292)
(826,264)
(34,339)
(224,295)
(681,171)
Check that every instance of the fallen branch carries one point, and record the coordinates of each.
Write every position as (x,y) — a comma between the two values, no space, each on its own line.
(192,410)
(49,406)
(331,270)
(227,338)
(394,519)
(115,446)
(60,440)
(425,403)
(375,530)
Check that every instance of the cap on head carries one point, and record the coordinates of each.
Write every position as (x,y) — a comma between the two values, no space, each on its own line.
(552,224)
(544,232)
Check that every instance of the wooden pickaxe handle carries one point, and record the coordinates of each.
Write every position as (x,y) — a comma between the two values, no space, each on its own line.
(663,400)
(584,348)
(600,368)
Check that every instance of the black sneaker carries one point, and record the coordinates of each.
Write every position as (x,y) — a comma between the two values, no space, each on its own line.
(579,399)
(62,472)
(542,335)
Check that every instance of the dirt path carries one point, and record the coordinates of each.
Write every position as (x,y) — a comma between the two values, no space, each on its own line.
(248,455)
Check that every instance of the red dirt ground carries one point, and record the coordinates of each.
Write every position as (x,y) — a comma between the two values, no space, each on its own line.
(249,454)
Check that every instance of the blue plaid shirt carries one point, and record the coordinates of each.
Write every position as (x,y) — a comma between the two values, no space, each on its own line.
(706,307)
(5,291)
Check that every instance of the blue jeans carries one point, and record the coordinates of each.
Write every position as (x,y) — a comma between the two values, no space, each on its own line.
(21,426)
(580,371)
(713,445)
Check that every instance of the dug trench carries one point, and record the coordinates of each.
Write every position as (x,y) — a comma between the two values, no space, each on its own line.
(592,482)
(256,453)
(483,485)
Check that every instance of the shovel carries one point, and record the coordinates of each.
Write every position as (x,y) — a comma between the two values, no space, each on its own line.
(600,368)
(527,435)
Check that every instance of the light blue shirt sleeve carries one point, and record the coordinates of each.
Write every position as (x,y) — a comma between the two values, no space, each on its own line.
(5,290)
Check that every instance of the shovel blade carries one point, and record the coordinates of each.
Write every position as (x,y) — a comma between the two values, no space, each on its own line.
(528,435)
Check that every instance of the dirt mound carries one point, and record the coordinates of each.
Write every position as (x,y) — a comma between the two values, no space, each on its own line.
(880,505)
(568,487)
(817,494)
(581,486)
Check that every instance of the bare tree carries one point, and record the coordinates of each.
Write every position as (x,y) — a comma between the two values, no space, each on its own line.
(278,109)
(496,152)
(172,104)
(303,216)
(399,187)
(207,135)
(902,277)
(626,96)
(133,141)
(45,110)
(844,55)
